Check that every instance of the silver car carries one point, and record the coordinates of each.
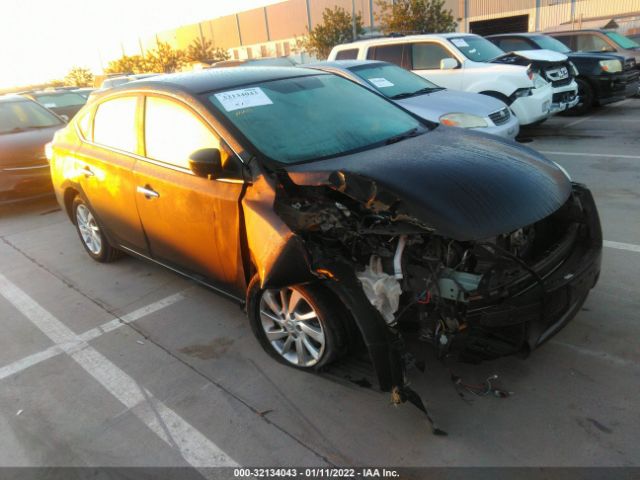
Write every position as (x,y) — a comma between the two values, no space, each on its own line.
(418,95)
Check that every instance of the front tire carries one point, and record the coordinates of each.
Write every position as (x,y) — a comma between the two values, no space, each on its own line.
(90,233)
(299,326)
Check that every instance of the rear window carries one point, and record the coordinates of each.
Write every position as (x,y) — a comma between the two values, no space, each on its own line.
(60,100)
(350,54)
(25,115)
(114,124)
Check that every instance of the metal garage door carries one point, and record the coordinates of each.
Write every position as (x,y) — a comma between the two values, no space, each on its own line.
(518,23)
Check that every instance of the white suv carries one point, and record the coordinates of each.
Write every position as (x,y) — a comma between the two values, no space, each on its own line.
(460,61)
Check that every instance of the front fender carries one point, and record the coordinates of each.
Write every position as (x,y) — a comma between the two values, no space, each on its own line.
(278,254)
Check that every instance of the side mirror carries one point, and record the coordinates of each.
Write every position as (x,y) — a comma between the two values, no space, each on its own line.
(206,163)
(448,63)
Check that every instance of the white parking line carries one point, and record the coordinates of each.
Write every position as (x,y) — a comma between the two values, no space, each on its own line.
(599,155)
(622,246)
(36,358)
(194,447)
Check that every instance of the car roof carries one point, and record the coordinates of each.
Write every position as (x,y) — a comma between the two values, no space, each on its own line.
(518,34)
(403,38)
(592,30)
(346,64)
(202,81)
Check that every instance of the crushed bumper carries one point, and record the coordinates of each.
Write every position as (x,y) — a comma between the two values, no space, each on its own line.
(564,98)
(538,312)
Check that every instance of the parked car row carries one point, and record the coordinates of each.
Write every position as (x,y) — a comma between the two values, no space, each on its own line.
(535,75)
(602,78)
(25,128)
(333,213)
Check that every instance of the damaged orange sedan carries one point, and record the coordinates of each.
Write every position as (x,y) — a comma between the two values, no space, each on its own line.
(330,213)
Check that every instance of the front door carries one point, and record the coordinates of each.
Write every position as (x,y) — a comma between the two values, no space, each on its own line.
(425,59)
(192,223)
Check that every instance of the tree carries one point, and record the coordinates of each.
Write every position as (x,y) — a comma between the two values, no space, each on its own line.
(202,50)
(415,16)
(128,64)
(79,77)
(165,59)
(336,28)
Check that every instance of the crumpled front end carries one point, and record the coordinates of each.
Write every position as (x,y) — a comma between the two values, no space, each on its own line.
(477,299)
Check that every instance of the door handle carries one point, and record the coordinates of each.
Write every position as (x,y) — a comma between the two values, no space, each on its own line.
(87,172)
(148,192)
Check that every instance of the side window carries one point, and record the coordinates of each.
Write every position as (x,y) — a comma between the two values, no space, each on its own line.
(84,124)
(172,133)
(387,53)
(592,43)
(514,44)
(427,56)
(114,124)
(350,54)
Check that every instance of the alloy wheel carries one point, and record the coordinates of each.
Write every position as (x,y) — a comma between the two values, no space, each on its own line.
(292,326)
(89,230)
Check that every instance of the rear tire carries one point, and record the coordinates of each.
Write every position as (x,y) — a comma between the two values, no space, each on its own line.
(90,233)
(301,326)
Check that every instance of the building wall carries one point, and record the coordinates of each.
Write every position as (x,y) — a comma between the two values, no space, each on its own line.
(275,29)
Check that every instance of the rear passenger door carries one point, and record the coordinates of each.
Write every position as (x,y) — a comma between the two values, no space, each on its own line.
(105,166)
(425,60)
(192,223)
(395,53)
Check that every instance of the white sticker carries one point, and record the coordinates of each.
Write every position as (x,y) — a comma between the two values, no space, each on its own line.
(381,82)
(49,105)
(245,98)
(459,42)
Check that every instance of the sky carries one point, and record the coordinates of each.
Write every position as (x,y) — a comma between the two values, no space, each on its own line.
(41,40)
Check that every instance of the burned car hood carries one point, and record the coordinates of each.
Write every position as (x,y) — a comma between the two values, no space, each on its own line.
(463,185)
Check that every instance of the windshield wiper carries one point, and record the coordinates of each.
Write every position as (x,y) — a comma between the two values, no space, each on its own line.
(421,91)
(408,134)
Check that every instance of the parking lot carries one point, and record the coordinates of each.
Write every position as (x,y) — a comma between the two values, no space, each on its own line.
(128,364)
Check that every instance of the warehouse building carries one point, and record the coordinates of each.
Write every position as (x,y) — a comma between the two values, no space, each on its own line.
(277,29)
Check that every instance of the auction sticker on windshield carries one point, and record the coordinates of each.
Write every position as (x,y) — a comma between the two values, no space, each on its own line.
(381,82)
(244,98)
(459,42)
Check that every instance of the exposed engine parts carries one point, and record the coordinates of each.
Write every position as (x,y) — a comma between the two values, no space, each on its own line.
(470,299)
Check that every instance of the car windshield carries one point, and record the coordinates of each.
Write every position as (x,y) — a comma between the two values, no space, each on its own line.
(25,115)
(60,99)
(308,118)
(477,49)
(622,41)
(550,43)
(393,81)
